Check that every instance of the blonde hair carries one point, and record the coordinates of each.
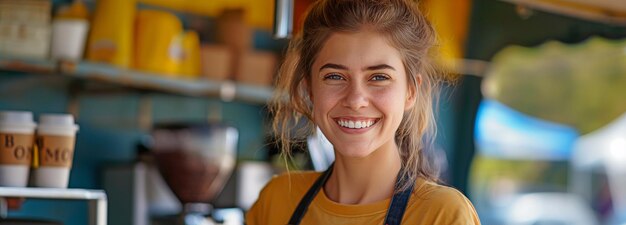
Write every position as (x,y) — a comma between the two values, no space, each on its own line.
(408,31)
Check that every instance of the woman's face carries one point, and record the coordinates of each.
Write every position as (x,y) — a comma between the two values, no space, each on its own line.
(359,92)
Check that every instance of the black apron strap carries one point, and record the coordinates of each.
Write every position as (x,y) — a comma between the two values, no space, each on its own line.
(297,215)
(394,213)
(399,202)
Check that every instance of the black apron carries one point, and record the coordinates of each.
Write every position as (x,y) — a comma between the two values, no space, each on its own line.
(394,213)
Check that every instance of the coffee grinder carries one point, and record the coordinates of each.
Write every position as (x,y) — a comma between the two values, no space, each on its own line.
(195,160)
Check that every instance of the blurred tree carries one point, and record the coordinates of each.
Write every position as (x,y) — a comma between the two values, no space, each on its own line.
(583,85)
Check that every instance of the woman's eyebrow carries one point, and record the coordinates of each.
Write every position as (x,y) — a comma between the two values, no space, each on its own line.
(333,66)
(380,67)
(342,67)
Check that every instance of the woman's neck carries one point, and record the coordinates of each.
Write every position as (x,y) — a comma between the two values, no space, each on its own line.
(364,180)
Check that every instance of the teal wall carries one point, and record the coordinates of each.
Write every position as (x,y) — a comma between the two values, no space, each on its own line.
(109,130)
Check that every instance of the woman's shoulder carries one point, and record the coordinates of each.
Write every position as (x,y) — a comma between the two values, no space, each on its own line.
(298,181)
(289,186)
(429,191)
(301,176)
(279,197)
(435,199)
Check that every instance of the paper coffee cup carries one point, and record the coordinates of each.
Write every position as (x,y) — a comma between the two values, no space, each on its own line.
(68,38)
(55,139)
(17,130)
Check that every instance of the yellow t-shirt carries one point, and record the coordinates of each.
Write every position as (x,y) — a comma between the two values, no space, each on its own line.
(429,204)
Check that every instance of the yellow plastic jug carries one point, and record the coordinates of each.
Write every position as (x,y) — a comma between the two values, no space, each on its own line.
(158,42)
(190,66)
(111,36)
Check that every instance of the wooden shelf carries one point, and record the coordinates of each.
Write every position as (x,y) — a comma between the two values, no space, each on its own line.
(226,90)
(26,65)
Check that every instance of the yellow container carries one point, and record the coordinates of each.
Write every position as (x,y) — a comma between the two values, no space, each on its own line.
(190,66)
(158,42)
(111,37)
(257,11)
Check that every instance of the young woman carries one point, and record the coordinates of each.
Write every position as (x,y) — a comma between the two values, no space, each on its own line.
(360,71)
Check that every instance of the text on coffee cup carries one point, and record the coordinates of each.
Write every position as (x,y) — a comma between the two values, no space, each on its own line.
(16,148)
(55,150)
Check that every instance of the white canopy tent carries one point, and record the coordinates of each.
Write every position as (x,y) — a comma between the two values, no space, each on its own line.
(603,149)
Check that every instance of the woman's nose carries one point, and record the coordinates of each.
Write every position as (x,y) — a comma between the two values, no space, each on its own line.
(356,97)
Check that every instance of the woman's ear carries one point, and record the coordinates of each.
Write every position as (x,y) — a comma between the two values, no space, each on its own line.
(411,94)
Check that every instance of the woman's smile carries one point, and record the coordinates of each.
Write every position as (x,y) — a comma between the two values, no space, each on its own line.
(355,125)
(359,124)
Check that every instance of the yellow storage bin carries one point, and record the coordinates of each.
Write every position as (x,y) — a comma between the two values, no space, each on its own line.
(158,42)
(111,37)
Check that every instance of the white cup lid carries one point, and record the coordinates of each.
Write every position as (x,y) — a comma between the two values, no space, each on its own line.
(61,121)
(17,118)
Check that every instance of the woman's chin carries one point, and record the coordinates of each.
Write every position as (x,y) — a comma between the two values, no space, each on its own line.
(354,152)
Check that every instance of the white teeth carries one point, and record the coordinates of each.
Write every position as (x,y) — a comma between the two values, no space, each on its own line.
(355,124)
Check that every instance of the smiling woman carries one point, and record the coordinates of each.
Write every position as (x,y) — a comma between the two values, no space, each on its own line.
(361,72)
